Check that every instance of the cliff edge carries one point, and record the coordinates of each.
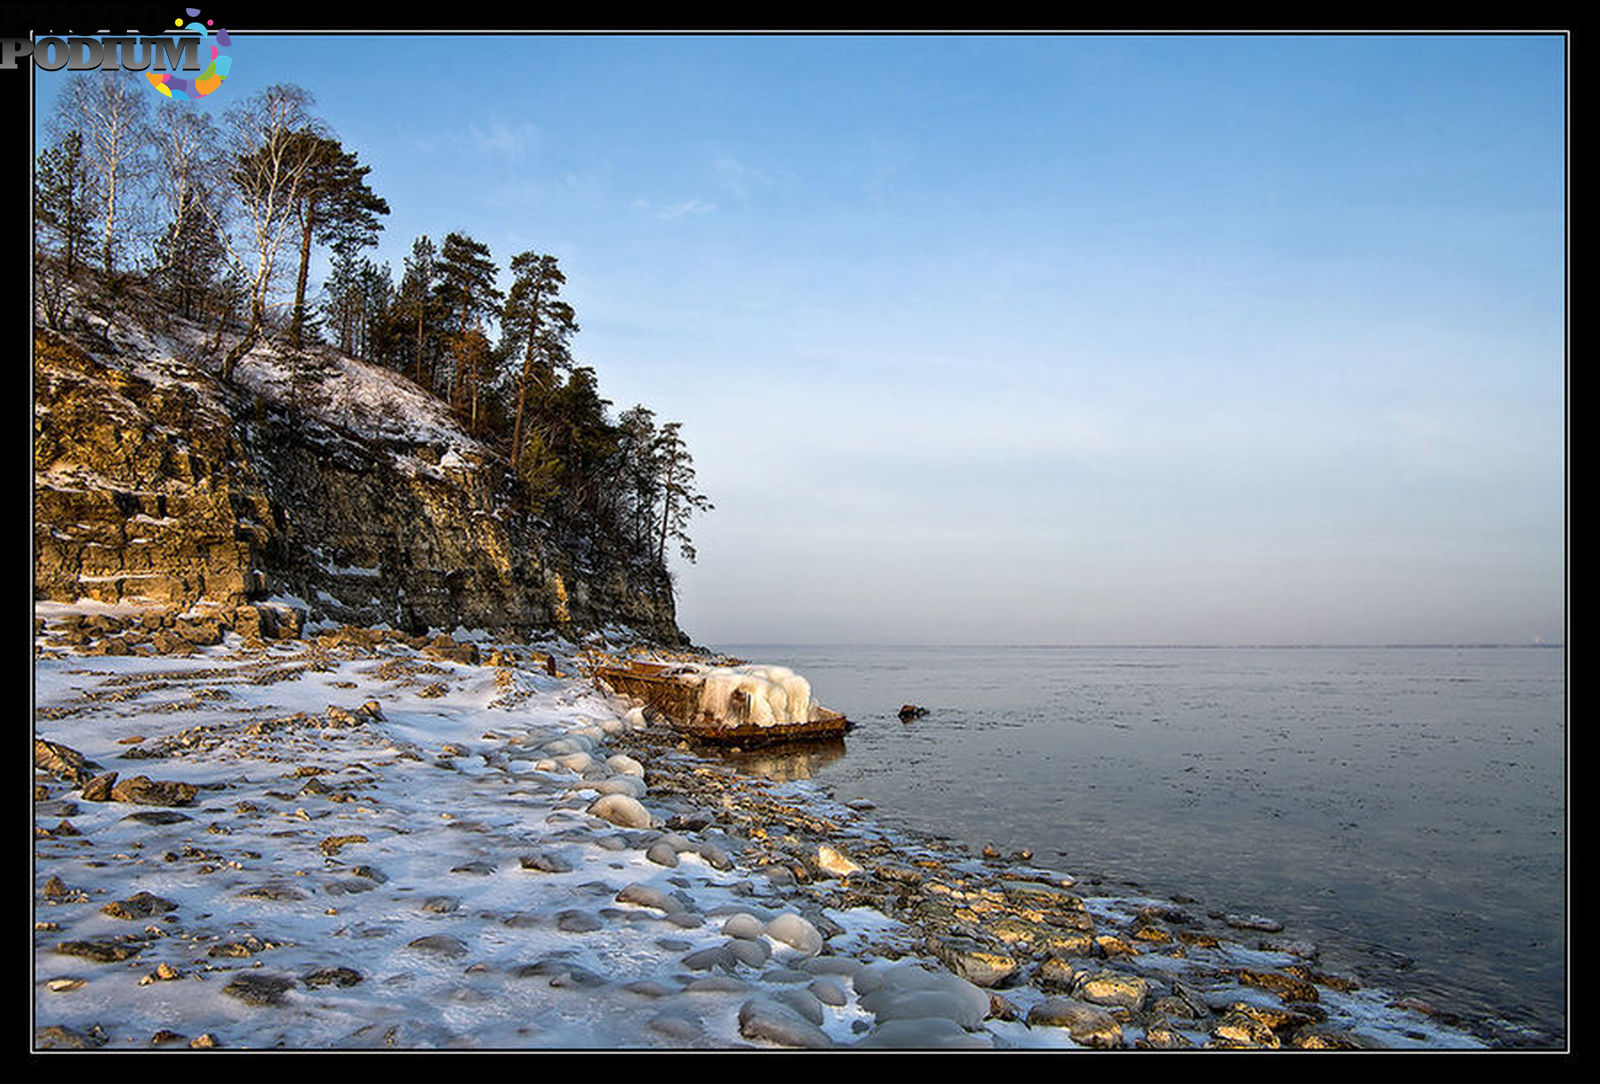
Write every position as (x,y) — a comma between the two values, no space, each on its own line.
(313,488)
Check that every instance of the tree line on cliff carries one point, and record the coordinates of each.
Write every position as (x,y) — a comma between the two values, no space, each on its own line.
(219,222)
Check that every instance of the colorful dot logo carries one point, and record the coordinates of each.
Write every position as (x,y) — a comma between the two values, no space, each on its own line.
(210,79)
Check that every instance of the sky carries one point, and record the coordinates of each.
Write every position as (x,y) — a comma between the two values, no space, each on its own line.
(1074,339)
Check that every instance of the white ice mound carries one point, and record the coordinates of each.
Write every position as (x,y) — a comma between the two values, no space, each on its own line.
(771,695)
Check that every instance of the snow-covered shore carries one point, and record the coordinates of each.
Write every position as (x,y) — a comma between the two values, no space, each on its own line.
(387,848)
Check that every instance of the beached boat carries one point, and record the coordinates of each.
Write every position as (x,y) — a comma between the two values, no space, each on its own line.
(677,692)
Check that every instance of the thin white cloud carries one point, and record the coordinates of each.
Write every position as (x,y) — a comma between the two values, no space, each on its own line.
(672,211)
(739,178)
(500,138)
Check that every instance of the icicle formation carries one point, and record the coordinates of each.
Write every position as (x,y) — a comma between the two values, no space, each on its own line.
(775,694)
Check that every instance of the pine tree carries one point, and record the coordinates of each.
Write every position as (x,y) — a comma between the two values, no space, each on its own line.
(637,482)
(538,322)
(189,252)
(421,309)
(190,258)
(466,282)
(472,360)
(467,289)
(680,500)
(358,297)
(334,207)
(61,199)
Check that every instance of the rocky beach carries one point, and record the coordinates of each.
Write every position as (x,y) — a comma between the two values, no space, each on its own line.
(356,839)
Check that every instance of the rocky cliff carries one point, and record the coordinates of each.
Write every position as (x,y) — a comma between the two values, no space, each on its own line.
(314,488)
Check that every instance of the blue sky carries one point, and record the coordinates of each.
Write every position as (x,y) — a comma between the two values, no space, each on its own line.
(1049,339)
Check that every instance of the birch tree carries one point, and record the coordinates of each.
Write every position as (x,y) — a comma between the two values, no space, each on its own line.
(273,164)
(111,114)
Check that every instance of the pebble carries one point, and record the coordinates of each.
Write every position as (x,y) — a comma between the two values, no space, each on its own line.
(545,862)
(662,854)
(796,931)
(643,895)
(621,810)
(623,764)
(927,1033)
(829,992)
(678,1023)
(766,1018)
(744,925)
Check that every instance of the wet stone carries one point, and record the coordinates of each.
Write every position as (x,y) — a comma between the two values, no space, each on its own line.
(274,892)
(577,922)
(981,965)
(59,1037)
(1319,1038)
(545,862)
(1253,922)
(678,1024)
(1112,989)
(1087,1025)
(142,790)
(441,944)
(98,788)
(101,952)
(348,886)
(1161,1036)
(1241,1029)
(255,988)
(561,974)
(1287,987)
(63,762)
(332,976)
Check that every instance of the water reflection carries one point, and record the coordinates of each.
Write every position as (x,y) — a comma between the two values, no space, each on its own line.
(784,763)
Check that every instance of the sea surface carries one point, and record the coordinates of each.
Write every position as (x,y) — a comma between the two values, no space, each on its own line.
(1405,808)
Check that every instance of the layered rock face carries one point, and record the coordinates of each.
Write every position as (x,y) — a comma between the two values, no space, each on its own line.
(156,486)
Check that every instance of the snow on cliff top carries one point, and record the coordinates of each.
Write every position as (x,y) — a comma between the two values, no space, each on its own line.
(361,398)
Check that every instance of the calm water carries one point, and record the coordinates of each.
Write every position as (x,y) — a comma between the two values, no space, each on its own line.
(1405,808)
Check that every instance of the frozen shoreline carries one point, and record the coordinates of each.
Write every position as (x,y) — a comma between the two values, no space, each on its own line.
(433,874)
